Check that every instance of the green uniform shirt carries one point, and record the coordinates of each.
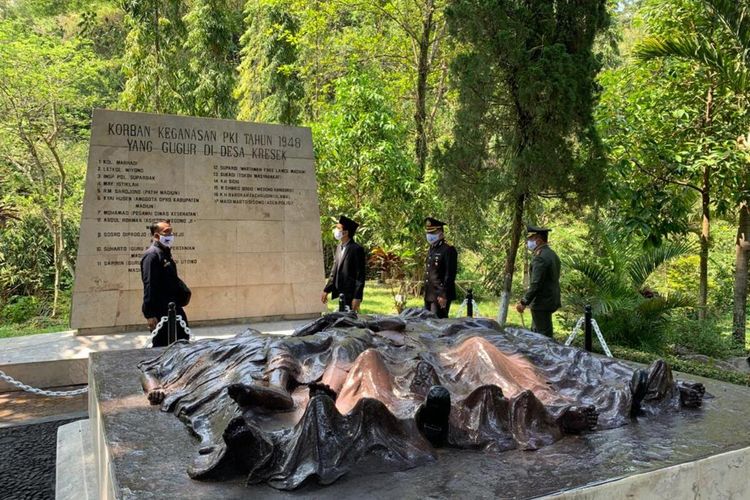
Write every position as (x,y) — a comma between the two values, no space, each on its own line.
(544,287)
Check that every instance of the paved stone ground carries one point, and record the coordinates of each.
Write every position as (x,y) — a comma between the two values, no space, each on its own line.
(27,460)
(20,407)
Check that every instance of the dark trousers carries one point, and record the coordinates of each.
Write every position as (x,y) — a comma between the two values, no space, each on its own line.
(162,337)
(434,307)
(541,322)
(347,300)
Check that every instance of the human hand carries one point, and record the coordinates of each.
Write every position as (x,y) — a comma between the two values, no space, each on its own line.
(520,308)
(156,396)
(152,322)
(324,298)
(355,304)
(442,302)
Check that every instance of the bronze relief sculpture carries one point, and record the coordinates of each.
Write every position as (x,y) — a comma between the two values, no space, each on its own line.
(378,393)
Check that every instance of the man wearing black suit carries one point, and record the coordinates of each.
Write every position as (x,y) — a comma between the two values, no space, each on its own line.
(440,270)
(348,271)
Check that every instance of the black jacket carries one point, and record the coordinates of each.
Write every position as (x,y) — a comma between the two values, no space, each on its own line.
(348,272)
(544,286)
(440,272)
(160,281)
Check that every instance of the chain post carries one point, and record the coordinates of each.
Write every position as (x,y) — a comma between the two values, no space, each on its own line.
(587,329)
(172,324)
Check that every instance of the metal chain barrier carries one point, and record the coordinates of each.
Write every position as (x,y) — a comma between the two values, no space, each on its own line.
(41,392)
(150,341)
(164,319)
(463,305)
(83,390)
(597,330)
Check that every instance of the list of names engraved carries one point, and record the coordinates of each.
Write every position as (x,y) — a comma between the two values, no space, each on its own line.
(242,199)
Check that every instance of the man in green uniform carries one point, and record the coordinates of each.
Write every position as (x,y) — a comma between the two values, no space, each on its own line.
(543,295)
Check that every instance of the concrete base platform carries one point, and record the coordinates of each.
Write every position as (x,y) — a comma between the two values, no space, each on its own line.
(142,452)
(61,359)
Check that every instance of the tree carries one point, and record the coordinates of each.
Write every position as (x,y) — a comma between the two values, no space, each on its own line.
(719,42)
(270,87)
(363,168)
(524,126)
(47,87)
(154,56)
(213,28)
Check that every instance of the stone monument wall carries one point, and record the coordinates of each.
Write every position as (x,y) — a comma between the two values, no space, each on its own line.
(242,198)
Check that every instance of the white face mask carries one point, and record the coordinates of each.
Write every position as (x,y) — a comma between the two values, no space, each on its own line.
(166,240)
(338,233)
(531,244)
(432,237)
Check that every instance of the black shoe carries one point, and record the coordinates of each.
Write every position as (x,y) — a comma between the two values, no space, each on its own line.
(638,387)
(432,416)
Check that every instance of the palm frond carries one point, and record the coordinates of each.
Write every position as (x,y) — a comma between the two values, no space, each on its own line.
(643,265)
(659,306)
(735,17)
(694,48)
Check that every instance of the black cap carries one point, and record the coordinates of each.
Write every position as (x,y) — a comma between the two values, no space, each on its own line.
(541,231)
(432,225)
(348,224)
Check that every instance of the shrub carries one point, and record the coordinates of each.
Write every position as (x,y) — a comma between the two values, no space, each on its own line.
(702,337)
(20,309)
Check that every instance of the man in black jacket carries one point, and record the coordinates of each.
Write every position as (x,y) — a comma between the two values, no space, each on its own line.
(440,270)
(161,285)
(543,295)
(348,271)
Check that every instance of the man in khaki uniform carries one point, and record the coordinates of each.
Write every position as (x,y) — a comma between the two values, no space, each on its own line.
(543,295)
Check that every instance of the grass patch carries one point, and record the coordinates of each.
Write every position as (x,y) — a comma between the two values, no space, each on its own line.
(36,325)
(682,365)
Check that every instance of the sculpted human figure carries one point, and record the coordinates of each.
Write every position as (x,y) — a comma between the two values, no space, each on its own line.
(390,390)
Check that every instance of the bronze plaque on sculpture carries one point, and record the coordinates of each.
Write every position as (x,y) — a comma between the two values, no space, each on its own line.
(348,394)
(242,198)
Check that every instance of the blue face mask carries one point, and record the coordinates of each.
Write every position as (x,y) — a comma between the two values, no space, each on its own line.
(432,237)
(531,245)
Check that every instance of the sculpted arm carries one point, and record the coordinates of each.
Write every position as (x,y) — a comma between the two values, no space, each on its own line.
(152,387)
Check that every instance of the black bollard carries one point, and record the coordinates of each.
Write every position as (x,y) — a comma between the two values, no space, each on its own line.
(587,329)
(342,303)
(172,324)
(470,303)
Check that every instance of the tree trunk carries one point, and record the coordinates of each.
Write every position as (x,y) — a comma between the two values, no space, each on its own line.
(510,259)
(157,51)
(705,216)
(423,70)
(704,248)
(742,246)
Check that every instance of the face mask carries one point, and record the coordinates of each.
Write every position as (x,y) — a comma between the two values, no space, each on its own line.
(531,244)
(432,237)
(338,234)
(166,240)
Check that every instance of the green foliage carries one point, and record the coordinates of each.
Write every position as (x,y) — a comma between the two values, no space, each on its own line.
(613,281)
(699,336)
(363,166)
(19,308)
(270,88)
(681,365)
(211,43)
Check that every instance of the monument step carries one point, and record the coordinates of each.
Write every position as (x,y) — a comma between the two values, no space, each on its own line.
(75,473)
(52,360)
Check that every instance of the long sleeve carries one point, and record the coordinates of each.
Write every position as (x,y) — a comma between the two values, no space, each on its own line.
(150,277)
(361,269)
(332,276)
(538,270)
(449,278)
